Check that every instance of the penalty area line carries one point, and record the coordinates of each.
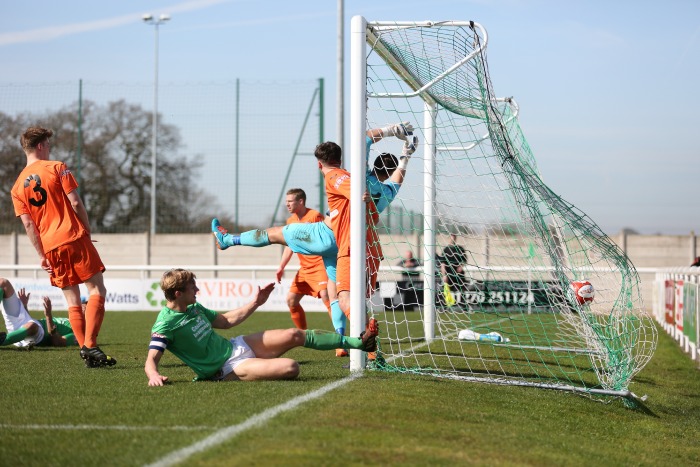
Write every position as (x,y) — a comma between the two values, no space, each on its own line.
(232,431)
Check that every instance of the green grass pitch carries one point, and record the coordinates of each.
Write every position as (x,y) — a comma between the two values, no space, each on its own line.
(54,411)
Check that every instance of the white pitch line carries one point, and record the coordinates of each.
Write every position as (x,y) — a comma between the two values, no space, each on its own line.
(221,435)
(232,431)
(106,427)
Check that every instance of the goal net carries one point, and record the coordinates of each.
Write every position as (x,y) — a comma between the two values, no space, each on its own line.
(493,298)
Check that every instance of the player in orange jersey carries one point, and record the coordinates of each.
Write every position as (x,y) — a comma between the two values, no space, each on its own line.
(383,179)
(311,279)
(382,184)
(46,199)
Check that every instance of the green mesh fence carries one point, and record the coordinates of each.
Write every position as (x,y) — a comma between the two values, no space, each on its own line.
(504,306)
(224,148)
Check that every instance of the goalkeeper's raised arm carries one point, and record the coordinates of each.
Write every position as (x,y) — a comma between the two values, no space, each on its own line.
(399,130)
(402,131)
(386,174)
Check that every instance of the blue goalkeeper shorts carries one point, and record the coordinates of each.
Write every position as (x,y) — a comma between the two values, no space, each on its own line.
(315,239)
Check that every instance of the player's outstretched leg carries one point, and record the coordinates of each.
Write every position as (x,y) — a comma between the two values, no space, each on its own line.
(220,235)
(321,340)
(256,238)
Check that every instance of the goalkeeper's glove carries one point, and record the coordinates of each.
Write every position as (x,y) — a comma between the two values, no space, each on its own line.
(409,147)
(400,130)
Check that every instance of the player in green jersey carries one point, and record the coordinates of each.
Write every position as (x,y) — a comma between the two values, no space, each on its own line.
(186,328)
(25,332)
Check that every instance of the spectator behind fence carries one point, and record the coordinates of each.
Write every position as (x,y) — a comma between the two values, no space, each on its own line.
(452,262)
(696,263)
(411,280)
(409,265)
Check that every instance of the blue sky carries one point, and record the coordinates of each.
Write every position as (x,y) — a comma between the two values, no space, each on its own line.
(607,89)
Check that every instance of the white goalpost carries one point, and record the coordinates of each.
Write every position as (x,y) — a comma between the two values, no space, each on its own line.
(358,165)
(539,295)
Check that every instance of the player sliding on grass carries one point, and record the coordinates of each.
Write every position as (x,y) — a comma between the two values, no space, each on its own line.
(186,328)
(383,183)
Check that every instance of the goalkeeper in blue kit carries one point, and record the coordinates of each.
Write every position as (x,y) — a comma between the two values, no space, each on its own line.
(186,328)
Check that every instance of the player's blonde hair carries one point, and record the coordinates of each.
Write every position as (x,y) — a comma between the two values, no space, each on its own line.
(174,280)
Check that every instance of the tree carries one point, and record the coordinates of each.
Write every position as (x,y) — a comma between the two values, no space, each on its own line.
(113,168)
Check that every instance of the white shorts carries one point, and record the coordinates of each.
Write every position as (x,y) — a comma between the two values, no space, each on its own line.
(16,316)
(241,353)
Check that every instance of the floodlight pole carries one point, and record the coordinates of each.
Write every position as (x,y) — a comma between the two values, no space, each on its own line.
(151,20)
(340,76)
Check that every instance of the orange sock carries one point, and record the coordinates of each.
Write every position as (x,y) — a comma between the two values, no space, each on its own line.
(298,316)
(77,323)
(94,314)
(100,317)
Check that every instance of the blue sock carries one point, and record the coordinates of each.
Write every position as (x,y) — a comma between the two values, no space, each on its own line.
(232,240)
(338,317)
(256,238)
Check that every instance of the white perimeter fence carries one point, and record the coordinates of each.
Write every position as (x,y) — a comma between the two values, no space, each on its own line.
(676,306)
(675,302)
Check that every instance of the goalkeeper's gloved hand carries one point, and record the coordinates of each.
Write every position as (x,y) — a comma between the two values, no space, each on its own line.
(409,147)
(400,130)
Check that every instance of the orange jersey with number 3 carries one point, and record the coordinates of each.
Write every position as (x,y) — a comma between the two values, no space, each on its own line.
(41,191)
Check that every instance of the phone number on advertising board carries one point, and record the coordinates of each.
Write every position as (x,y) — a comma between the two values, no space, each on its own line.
(508,298)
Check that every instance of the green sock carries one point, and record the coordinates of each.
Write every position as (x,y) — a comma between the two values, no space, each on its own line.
(256,238)
(16,336)
(324,340)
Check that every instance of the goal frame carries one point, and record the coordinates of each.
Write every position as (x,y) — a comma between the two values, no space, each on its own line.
(362,33)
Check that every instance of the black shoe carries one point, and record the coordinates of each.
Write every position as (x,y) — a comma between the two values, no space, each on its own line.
(88,361)
(94,357)
(369,336)
(3,335)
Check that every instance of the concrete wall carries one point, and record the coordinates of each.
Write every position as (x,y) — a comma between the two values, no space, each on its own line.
(174,250)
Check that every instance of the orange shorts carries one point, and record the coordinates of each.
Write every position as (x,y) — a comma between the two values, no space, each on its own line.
(309,284)
(343,274)
(74,262)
